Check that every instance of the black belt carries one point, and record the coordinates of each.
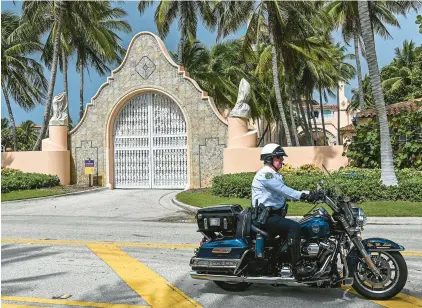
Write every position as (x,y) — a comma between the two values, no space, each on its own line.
(280,212)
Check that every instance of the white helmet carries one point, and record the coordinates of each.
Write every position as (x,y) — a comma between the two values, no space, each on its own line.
(272,150)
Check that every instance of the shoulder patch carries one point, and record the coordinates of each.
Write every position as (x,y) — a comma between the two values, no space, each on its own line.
(269,175)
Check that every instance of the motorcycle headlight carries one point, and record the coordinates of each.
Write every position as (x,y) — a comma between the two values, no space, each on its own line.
(361,219)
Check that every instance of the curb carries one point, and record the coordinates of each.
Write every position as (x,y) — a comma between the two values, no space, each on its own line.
(57,196)
(187,208)
(371,220)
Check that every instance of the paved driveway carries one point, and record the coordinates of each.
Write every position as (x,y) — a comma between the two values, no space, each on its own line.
(118,215)
(119,203)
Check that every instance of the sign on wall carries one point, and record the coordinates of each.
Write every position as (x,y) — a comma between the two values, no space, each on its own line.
(89,166)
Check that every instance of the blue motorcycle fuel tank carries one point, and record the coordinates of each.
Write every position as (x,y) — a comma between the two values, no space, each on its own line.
(315,227)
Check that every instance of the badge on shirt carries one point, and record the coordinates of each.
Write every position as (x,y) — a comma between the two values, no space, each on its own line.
(269,175)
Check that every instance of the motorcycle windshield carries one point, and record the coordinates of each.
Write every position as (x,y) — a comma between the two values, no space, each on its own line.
(336,194)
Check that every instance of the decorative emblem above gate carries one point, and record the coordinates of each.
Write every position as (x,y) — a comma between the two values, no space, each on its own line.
(145,67)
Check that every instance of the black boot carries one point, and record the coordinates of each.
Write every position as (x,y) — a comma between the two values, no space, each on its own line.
(294,247)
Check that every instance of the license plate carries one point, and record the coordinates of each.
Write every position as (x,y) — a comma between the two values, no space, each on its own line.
(214,221)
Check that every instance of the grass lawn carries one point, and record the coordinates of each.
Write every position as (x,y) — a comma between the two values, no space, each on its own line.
(380,209)
(42,192)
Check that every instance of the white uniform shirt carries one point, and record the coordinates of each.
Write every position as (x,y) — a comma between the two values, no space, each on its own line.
(268,188)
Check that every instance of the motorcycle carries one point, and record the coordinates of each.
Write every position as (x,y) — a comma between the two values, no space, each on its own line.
(236,252)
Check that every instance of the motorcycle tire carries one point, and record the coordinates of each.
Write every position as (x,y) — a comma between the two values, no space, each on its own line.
(392,291)
(233,286)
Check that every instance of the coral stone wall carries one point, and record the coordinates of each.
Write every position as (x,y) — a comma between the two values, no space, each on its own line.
(148,67)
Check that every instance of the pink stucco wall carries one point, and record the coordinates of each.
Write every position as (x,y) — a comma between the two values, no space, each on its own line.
(48,162)
(238,160)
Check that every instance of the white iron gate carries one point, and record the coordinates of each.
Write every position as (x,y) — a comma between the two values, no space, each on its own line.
(150,144)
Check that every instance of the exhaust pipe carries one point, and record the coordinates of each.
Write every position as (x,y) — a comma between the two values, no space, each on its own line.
(261,280)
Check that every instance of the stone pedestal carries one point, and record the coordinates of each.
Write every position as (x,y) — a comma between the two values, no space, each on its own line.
(57,140)
(239,135)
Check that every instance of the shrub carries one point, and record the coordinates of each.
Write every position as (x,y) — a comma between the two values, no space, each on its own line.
(13,179)
(308,167)
(358,184)
(406,141)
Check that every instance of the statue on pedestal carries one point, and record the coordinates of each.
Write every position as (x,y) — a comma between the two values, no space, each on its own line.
(59,111)
(242,109)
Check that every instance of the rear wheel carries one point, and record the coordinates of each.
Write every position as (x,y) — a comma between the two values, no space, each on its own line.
(393,269)
(233,286)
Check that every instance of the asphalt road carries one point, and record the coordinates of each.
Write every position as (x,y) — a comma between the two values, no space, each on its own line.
(127,248)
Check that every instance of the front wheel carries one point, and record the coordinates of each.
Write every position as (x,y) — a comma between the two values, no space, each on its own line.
(233,286)
(393,269)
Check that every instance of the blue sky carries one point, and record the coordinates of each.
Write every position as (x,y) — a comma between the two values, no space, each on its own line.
(385,51)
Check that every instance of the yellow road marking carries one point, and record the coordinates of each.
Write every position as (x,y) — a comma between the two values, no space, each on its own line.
(21,306)
(85,243)
(64,302)
(401,300)
(154,289)
(412,253)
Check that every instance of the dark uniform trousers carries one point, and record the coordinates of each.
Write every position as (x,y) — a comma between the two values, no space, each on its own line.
(277,225)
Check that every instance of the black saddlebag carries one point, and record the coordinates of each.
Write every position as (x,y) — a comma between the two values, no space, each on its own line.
(220,218)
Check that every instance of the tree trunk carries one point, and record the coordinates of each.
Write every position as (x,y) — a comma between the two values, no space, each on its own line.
(81,90)
(388,176)
(277,85)
(339,139)
(47,111)
(322,116)
(12,119)
(289,99)
(305,123)
(359,72)
(313,118)
(65,82)
(263,135)
(308,111)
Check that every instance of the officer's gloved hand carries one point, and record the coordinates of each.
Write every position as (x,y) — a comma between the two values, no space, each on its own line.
(311,196)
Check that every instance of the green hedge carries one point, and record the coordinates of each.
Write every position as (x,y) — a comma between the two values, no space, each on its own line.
(12,179)
(358,184)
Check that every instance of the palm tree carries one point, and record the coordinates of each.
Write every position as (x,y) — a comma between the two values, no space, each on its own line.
(99,47)
(345,15)
(388,176)
(46,16)
(332,70)
(187,12)
(367,90)
(280,20)
(6,138)
(90,31)
(230,16)
(193,56)
(346,72)
(218,71)
(275,71)
(27,135)
(398,74)
(22,78)
(401,76)
(406,55)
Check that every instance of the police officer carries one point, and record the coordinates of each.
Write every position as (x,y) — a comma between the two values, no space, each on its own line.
(269,189)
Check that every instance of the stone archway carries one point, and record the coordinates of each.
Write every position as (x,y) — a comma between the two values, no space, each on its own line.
(150,143)
(147,67)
